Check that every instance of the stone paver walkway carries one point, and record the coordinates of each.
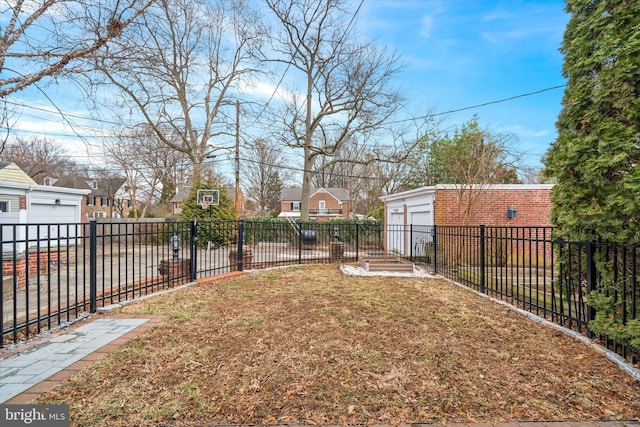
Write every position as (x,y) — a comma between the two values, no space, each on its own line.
(28,372)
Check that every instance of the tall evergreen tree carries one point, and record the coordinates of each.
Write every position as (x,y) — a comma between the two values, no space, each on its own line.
(595,157)
(225,210)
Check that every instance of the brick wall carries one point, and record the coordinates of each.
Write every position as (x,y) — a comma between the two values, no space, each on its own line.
(83,209)
(489,206)
(38,263)
(330,202)
(19,268)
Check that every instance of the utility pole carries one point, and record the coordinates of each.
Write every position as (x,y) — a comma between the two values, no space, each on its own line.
(237,165)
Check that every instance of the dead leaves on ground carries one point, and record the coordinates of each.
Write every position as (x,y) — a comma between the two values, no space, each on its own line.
(309,345)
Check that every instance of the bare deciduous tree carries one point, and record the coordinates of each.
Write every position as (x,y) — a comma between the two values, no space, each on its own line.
(472,158)
(346,94)
(39,157)
(264,175)
(366,182)
(50,37)
(147,165)
(179,69)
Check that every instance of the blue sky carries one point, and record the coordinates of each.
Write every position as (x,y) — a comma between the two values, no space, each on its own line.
(460,53)
(457,54)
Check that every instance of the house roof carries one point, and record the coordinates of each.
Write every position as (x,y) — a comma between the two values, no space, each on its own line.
(10,172)
(294,194)
(181,195)
(416,192)
(106,186)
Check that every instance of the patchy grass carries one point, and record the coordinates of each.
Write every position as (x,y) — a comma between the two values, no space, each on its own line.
(309,345)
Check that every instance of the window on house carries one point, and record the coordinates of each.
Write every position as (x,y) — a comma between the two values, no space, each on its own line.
(295,206)
(104,201)
(94,185)
(4,206)
(47,181)
(91,201)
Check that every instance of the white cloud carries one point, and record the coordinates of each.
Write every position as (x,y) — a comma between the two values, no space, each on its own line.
(426,25)
(264,90)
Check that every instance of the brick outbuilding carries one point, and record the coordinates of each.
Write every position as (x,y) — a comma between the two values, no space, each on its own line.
(511,205)
(471,204)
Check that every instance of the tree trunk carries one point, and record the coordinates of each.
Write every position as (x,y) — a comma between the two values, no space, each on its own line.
(306,186)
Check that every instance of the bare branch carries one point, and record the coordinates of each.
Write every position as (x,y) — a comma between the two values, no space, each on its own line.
(180,81)
(57,33)
(347,94)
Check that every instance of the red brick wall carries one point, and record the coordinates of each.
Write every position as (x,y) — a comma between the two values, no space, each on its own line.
(489,206)
(38,262)
(83,209)
(20,268)
(330,202)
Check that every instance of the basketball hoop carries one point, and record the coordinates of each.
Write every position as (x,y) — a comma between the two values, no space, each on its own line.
(208,197)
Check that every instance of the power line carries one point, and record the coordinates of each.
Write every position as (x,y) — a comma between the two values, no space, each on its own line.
(82,138)
(60,112)
(484,104)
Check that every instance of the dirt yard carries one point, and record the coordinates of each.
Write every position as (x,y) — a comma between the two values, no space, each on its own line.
(310,345)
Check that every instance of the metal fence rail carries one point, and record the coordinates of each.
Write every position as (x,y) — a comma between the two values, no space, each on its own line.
(530,269)
(54,274)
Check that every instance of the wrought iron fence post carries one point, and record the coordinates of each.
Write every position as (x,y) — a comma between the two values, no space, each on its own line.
(357,242)
(435,249)
(194,249)
(93,266)
(240,240)
(482,259)
(300,244)
(591,283)
(411,242)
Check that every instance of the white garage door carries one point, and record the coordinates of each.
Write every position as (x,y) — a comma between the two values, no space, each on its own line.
(56,216)
(421,232)
(421,218)
(395,233)
(53,214)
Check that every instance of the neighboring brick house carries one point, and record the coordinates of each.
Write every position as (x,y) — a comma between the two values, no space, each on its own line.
(324,203)
(108,197)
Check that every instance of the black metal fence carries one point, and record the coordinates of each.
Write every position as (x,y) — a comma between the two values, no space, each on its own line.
(589,287)
(54,274)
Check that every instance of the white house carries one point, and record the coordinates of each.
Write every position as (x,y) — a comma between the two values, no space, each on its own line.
(22,201)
